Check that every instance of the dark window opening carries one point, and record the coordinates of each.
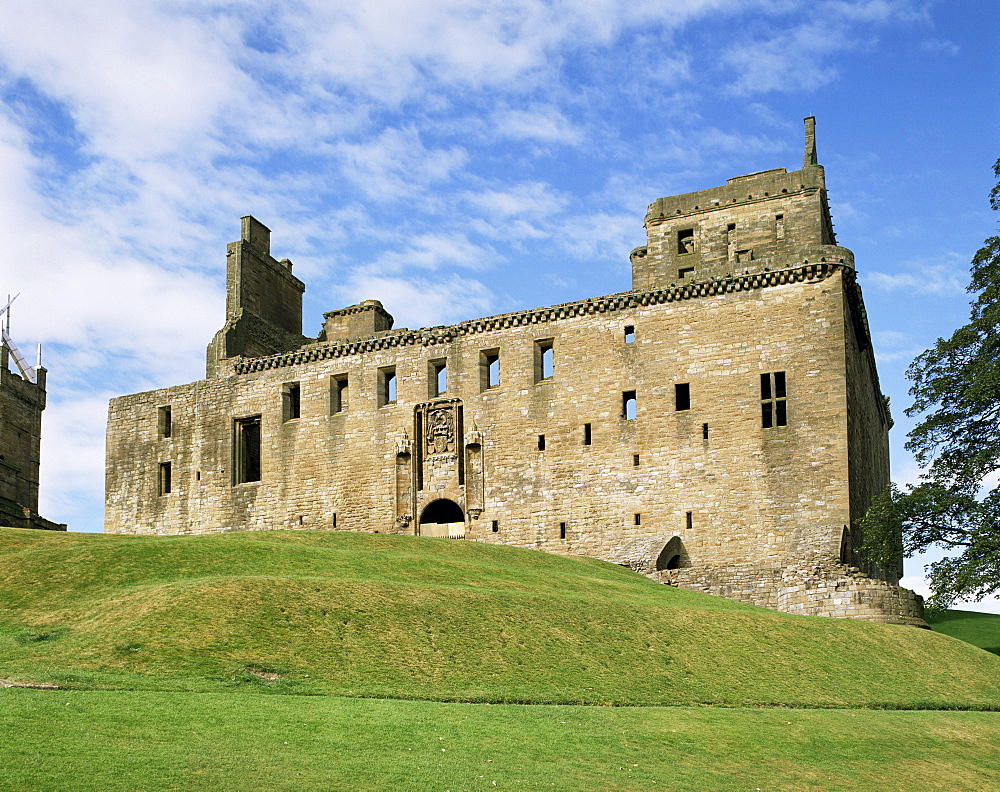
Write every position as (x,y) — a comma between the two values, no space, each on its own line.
(779,226)
(166,422)
(541,442)
(334,520)
(544,359)
(685,241)
(638,519)
(773,400)
(688,519)
(674,562)
(684,272)
(495,526)
(562,530)
(704,431)
(489,369)
(291,401)
(629,334)
(386,385)
(587,436)
(197,475)
(164,478)
(438,377)
(247,467)
(682,396)
(635,460)
(338,393)
(628,405)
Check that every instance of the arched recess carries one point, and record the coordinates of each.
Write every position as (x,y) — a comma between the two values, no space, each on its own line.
(442,517)
(673,555)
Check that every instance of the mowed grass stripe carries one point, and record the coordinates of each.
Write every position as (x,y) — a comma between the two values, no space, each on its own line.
(118,741)
(400,617)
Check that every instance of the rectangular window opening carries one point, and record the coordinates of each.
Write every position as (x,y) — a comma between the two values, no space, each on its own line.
(684,272)
(166,422)
(338,393)
(438,372)
(541,442)
(635,460)
(629,334)
(495,526)
(628,405)
(247,451)
(638,518)
(291,401)
(334,520)
(688,520)
(773,400)
(562,530)
(682,396)
(489,369)
(386,385)
(544,359)
(704,431)
(587,434)
(164,478)
(685,240)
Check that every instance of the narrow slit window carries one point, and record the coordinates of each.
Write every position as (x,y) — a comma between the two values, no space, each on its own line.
(438,372)
(495,526)
(247,450)
(334,520)
(562,530)
(166,422)
(688,520)
(165,478)
(779,226)
(386,385)
(291,401)
(541,442)
(629,334)
(587,434)
(704,431)
(338,393)
(638,518)
(628,405)
(635,460)
(773,400)
(544,359)
(682,396)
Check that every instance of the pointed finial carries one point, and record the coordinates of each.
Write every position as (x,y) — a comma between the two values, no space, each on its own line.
(809,157)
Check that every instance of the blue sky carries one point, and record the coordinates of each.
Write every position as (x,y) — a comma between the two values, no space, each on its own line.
(453,159)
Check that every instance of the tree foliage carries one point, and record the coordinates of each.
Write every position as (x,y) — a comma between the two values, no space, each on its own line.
(956,391)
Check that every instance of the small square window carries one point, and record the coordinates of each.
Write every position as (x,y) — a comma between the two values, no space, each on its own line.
(685,241)
(684,272)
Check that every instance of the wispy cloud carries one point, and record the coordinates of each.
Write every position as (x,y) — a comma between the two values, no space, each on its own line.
(944,276)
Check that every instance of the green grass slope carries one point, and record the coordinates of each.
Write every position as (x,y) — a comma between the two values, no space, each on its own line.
(978,629)
(400,617)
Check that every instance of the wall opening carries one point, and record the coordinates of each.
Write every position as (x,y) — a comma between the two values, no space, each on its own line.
(544,359)
(437,377)
(638,518)
(682,396)
(683,272)
(562,530)
(773,400)
(704,431)
(386,385)
(489,369)
(685,240)
(587,434)
(442,517)
(629,334)
(672,556)
(541,442)
(291,401)
(635,460)
(495,526)
(166,422)
(164,478)
(628,405)
(689,520)
(338,393)
(247,450)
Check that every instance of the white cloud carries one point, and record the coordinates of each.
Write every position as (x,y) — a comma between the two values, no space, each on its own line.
(422,302)
(432,251)
(945,275)
(540,124)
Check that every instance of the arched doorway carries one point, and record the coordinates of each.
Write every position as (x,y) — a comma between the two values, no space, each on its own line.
(442,517)
(672,556)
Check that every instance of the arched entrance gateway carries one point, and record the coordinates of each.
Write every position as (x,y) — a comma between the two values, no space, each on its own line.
(442,517)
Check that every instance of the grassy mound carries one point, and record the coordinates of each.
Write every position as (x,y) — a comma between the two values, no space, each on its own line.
(400,617)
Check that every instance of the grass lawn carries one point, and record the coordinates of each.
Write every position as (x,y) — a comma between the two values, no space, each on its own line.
(978,629)
(137,741)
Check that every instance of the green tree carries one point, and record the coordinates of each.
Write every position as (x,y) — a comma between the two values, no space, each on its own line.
(956,391)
